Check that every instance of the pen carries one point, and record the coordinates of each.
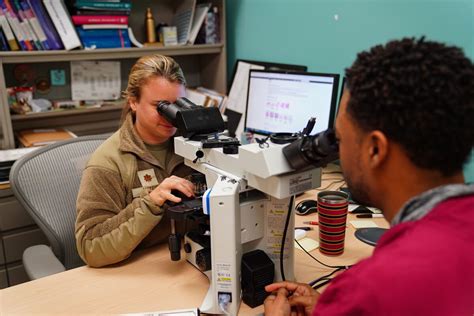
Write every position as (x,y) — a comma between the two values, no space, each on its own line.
(304,228)
(311,223)
(369,215)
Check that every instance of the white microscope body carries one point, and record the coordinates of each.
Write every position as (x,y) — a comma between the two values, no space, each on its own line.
(247,202)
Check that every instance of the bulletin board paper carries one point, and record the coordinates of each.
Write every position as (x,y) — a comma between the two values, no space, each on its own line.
(95,80)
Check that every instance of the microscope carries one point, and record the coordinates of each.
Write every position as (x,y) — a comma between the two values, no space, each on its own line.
(247,227)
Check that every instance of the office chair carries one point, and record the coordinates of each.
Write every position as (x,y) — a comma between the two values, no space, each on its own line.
(46,183)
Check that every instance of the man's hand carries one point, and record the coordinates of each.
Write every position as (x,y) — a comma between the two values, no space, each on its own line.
(277,305)
(302,300)
(162,192)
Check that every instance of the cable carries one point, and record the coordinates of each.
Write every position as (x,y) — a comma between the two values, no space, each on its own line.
(326,265)
(332,172)
(325,277)
(332,183)
(290,207)
(321,284)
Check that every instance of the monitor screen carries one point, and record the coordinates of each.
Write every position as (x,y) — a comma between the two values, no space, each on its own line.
(280,101)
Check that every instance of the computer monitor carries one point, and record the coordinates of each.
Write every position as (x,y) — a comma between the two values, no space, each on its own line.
(267,65)
(281,101)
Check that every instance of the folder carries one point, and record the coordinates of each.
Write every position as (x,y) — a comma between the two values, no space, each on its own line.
(41,137)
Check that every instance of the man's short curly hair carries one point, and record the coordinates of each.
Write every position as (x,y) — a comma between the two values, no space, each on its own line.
(420,94)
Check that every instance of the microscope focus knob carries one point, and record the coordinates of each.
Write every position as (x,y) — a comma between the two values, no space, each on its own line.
(187,248)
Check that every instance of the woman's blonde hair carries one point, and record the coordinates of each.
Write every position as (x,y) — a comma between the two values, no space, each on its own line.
(150,67)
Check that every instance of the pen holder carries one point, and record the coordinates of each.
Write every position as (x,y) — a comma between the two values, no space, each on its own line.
(332,216)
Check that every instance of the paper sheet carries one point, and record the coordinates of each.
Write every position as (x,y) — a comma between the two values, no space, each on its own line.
(14,154)
(95,80)
(363,224)
(237,100)
(307,243)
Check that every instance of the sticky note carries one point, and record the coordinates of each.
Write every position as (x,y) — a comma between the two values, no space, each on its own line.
(58,77)
(352,207)
(363,224)
(307,243)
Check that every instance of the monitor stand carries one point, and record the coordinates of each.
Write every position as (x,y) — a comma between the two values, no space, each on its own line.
(370,235)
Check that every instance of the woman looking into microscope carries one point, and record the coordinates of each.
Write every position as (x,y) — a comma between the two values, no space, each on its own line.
(130,176)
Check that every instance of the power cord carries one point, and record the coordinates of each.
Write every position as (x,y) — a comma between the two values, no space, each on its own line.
(287,222)
(322,263)
(325,279)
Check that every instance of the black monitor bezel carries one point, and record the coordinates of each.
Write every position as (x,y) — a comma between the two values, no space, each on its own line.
(268,65)
(335,90)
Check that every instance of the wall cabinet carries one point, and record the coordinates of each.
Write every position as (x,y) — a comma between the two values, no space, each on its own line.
(203,65)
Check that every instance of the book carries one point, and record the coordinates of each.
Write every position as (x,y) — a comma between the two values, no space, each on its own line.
(35,25)
(103,26)
(41,137)
(10,37)
(210,29)
(183,20)
(63,24)
(27,28)
(118,40)
(103,5)
(99,19)
(115,33)
(52,36)
(200,13)
(3,41)
(15,25)
(102,12)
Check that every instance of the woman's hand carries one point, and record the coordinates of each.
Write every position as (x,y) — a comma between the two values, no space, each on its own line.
(162,192)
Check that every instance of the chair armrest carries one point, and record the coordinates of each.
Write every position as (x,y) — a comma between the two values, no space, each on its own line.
(39,261)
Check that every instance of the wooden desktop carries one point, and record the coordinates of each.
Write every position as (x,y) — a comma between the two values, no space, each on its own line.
(149,281)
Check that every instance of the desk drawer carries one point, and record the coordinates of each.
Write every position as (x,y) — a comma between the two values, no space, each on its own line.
(17,274)
(13,215)
(3,279)
(2,257)
(16,243)
(6,192)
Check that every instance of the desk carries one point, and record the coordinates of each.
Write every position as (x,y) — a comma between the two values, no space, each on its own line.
(150,281)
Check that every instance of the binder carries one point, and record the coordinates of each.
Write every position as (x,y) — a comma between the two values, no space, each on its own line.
(54,42)
(200,13)
(63,24)
(10,37)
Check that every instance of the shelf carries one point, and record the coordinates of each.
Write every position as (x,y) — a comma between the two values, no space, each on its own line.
(69,112)
(110,53)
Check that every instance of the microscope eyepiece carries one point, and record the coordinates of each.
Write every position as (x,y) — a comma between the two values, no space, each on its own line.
(191,119)
(317,150)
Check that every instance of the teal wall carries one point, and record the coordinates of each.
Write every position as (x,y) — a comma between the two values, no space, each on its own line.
(308,32)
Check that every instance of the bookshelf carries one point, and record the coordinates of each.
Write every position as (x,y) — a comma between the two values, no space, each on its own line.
(203,65)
